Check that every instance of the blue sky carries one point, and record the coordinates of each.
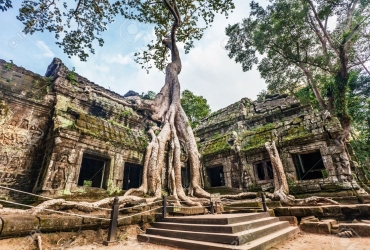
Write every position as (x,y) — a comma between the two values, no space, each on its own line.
(207,70)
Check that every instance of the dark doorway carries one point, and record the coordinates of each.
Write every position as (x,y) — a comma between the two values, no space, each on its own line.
(216,176)
(263,170)
(93,172)
(309,166)
(132,176)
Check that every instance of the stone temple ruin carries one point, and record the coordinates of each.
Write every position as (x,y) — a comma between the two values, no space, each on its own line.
(58,139)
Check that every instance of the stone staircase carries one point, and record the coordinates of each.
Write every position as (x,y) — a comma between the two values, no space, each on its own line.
(220,231)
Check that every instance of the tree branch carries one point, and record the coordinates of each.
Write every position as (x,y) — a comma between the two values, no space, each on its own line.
(322,26)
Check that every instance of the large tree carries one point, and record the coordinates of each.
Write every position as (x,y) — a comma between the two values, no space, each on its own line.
(312,41)
(173,22)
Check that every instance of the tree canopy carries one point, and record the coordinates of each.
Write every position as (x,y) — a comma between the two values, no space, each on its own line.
(78,26)
(305,42)
(195,107)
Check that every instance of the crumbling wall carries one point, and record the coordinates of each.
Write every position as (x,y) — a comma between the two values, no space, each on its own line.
(48,123)
(25,105)
(88,123)
(235,137)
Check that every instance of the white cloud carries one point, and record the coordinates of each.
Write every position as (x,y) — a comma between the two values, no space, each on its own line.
(124,60)
(46,50)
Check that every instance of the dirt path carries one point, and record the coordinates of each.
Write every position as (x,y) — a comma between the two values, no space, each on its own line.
(89,240)
(305,241)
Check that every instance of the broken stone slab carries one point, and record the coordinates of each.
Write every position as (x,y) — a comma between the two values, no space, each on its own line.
(309,219)
(59,223)
(316,227)
(358,229)
(18,225)
(364,198)
(291,219)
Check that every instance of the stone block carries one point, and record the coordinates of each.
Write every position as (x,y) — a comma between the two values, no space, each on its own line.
(273,204)
(364,198)
(59,223)
(18,225)
(350,211)
(309,219)
(124,221)
(358,229)
(282,211)
(332,211)
(136,219)
(291,219)
(333,223)
(364,209)
(93,223)
(316,227)
(306,211)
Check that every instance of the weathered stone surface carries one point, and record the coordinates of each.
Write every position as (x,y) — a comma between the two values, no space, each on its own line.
(17,225)
(316,227)
(282,211)
(59,223)
(364,209)
(350,211)
(94,223)
(359,229)
(188,210)
(291,219)
(333,211)
(306,211)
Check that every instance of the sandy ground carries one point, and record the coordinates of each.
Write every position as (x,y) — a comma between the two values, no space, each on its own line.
(90,240)
(305,241)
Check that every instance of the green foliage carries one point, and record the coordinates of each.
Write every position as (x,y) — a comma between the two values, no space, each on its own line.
(261,95)
(299,49)
(195,107)
(5,5)
(78,25)
(72,76)
(359,109)
(150,95)
(9,65)
(306,96)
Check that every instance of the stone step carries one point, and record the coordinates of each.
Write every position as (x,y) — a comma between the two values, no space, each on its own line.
(243,210)
(210,228)
(258,244)
(217,219)
(242,237)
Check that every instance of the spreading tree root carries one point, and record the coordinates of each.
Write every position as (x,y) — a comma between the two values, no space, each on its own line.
(244,195)
(290,200)
(84,207)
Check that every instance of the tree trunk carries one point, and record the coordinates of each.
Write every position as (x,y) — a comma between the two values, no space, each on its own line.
(313,85)
(280,182)
(281,191)
(166,109)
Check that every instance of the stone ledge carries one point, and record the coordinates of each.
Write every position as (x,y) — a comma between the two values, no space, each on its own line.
(18,224)
(59,223)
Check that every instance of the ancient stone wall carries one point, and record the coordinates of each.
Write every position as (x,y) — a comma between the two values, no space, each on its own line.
(25,115)
(88,123)
(48,124)
(234,138)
